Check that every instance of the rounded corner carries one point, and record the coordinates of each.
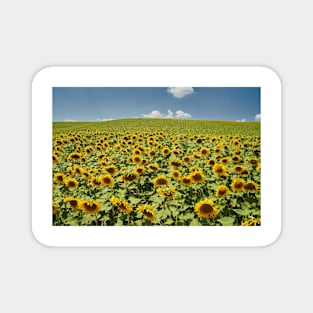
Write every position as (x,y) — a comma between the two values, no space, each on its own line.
(271,72)
(274,239)
(38,239)
(40,73)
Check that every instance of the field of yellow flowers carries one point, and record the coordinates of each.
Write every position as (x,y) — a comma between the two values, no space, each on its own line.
(156,172)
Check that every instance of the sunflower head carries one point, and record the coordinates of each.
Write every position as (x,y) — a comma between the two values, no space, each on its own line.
(59,178)
(251,222)
(210,162)
(72,201)
(235,158)
(95,182)
(168,193)
(204,151)
(206,208)
(122,205)
(139,170)
(175,174)
(153,167)
(221,191)
(238,169)
(54,208)
(129,177)
(186,180)
(250,187)
(107,180)
(166,151)
(147,211)
(186,159)
(136,159)
(151,153)
(71,183)
(220,170)
(160,181)
(175,163)
(197,177)
(111,169)
(90,207)
(55,158)
(238,184)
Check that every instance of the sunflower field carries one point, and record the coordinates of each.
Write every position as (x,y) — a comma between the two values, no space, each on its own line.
(146,172)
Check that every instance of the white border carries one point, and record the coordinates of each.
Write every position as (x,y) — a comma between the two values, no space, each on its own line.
(124,236)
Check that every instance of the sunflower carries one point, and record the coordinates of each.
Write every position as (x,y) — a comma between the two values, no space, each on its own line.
(70,171)
(168,193)
(204,151)
(151,153)
(258,168)
(224,160)
(74,157)
(175,163)
(111,169)
(73,202)
(221,191)
(253,222)
(254,161)
(90,207)
(206,208)
(250,187)
(153,167)
(186,159)
(186,180)
(235,159)
(122,205)
(128,177)
(148,212)
(210,162)
(59,178)
(95,182)
(197,177)
(107,180)
(139,170)
(160,181)
(86,174)
(175,174)
(244,172)
(54,208)
(136,159)
(220,170)
(166,151)
(144,161)
(78,170)
(71,183)
(238,184)
(55,158)
(196,156)
(238,169)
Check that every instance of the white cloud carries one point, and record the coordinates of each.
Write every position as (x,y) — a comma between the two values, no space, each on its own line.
(170,114)
(153,114)
(180,92)
(70,120)
(258,117)
(104,119)
(179,114)
(243,120)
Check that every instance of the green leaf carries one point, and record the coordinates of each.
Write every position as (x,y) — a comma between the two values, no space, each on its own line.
(195,222)
(227,220)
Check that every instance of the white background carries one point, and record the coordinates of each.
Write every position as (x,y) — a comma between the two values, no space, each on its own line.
(35,34)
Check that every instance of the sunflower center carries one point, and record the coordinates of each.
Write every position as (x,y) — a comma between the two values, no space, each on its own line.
(197,177)
(72,184)
(161,181)
(238,184)
(106,180)
(206,208)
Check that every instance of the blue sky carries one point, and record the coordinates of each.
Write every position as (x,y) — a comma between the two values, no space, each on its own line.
(198,103)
